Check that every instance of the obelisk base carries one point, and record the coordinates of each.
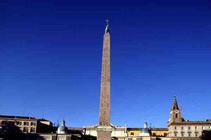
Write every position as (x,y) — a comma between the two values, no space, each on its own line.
(104,132)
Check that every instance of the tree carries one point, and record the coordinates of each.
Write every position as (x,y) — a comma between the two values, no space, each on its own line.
(206,135)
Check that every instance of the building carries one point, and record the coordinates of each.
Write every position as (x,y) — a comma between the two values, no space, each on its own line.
(62,133)
(30,128)
(22,123)
(133,132)
(124,133)
(139,133)
(159,132)
(178,127)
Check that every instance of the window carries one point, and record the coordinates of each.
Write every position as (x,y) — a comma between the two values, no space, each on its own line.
(196,134)
(182,128)
(176,115)
(188,127)
(4,122)
(175,134)
(33,130)
(26,123)
(11,123)
(18,123)
(182,134)
(25,129)
(195,127)
(189,134)
(132,133)
(33,123)
(175,127)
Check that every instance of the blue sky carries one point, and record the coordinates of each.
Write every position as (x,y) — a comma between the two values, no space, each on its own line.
(50,59)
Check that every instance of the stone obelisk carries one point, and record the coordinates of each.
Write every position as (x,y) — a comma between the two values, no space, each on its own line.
(104,129)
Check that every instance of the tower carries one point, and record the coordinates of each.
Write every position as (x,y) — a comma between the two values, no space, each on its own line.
(175,113)
(104,129)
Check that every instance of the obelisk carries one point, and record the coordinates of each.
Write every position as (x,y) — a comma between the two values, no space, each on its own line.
(104,129)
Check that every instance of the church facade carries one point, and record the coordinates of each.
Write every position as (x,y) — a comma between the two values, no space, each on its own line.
(178,127)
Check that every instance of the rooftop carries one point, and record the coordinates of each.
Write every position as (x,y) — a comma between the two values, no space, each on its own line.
(16,117)
(207,122)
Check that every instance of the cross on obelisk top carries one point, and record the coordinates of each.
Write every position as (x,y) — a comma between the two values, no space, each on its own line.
(107,26)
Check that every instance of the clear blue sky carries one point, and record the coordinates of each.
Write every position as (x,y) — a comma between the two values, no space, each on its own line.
(50,59)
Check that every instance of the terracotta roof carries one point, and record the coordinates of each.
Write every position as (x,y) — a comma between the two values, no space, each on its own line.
(207,122)
(134,129)
(75,128)
(159,129)
(16,117)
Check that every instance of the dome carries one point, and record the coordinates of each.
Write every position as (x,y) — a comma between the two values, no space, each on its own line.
(145,130)
(62,128)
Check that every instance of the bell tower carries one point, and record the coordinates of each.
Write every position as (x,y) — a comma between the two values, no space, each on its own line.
(175,113)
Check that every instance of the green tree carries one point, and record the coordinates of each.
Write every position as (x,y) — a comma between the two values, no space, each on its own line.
(206,135)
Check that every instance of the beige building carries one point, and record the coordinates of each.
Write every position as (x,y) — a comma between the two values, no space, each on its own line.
(159,132)
(178,127)
(133,132)
(136,134)
(25,124)
(124,133)
(62,133)
(22,123)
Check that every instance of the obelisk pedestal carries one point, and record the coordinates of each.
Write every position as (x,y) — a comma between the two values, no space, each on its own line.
(104,132)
